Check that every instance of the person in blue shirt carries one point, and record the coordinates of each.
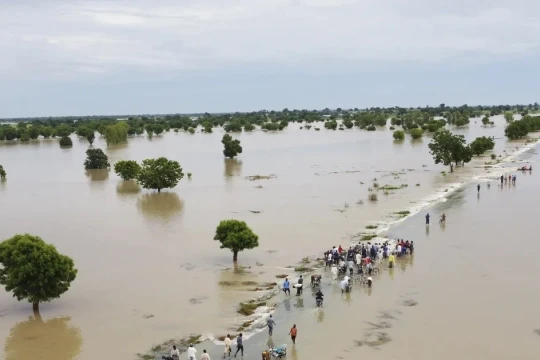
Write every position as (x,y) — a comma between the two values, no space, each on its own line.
(287,287)
(239,345)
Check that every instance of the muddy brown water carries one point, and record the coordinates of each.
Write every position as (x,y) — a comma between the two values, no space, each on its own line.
(141,254)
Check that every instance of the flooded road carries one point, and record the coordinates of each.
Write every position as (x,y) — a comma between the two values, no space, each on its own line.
(149,269)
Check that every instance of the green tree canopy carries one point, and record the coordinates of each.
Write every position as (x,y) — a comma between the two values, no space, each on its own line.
(485,120)
(46,131)
(509,116)
(66,141)
(398,135)
(127,169)
(159,174)
(63,130)
(231,147)
(34,270)
(516,130)
(96,159)
(236,236)
(482,144)
(416,133)
(449,149)
(117,133)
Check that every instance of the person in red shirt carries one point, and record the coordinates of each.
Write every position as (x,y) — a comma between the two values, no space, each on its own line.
(293,333)
(340,249)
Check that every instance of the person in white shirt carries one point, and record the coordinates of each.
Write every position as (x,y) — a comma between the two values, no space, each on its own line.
(358,259)
(227,346)
(344,285)
(191,352)
(175,353)
(398,250)
(205,356)
(334,272)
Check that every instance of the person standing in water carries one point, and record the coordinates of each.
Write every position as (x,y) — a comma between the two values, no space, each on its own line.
(287,287)
(478,187)
(270,322)
(502,179)
(427,219)
(293,332)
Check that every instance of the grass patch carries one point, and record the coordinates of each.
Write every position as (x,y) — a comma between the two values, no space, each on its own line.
(367,237)
(393,187)
(373,197)
(302,269)
(282,276)
(261,177)
(305,260)
(371,227)
(244,326)
(248,308)
(403,213)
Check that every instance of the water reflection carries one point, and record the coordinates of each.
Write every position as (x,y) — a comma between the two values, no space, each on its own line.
(287,303)
(161,206)
(294,353)
(54,339)
(299,303)
(270,343)
(233,167)
(97,174)
(129,187)
(320,315)
(2,183)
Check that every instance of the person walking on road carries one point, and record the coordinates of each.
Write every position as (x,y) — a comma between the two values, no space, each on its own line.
(204,355)
(239,345)
(228,344)
(293,333)
(270,322)
(299,286)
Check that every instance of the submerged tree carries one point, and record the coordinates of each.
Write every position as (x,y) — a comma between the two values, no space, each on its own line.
(2,172)
(482,144)
(159,174)
(236,236)
(416,133)
(398,135)
(66,142)
(231,147)
(127,169)
(116,134)
(449,149)
(96,159)
(34,270)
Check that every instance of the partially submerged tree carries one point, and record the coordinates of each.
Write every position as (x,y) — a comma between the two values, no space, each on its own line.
(96,159)
(127,169)
(516,130)
(416,133)
(449,149)
(66,142)
(482,144)
(159,174)
(236,236)
(116,134)
(231,147)
(509,116)
(399,135)
(2,172)
(34,270)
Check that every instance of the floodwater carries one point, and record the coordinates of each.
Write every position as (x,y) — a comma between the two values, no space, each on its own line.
(470,290)
(149,269)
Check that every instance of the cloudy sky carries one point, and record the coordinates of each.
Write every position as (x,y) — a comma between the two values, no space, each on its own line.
(70,57)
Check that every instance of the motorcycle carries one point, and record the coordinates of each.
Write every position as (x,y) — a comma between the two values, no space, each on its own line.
(319,302)
(315,280)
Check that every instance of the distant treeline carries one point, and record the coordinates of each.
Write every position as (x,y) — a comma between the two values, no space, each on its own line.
(117,129)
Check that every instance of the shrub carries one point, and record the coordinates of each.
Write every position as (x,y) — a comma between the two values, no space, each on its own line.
(372,197)
(399,135)
(416,133)
(371,128)
(66,142)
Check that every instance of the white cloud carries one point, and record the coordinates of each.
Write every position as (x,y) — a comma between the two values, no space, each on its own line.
(95,37)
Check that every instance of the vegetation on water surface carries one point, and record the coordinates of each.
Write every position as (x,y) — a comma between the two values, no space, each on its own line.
(371,227)
(96,159)
(34,270)
(127,169)
(416,133)
(248,308)
(165,347)
(236,236)
(3,173)
(160,173)
(231,148)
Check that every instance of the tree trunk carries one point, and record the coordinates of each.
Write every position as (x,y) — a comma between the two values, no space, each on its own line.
(35,307)
(235,256)
(158,190)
